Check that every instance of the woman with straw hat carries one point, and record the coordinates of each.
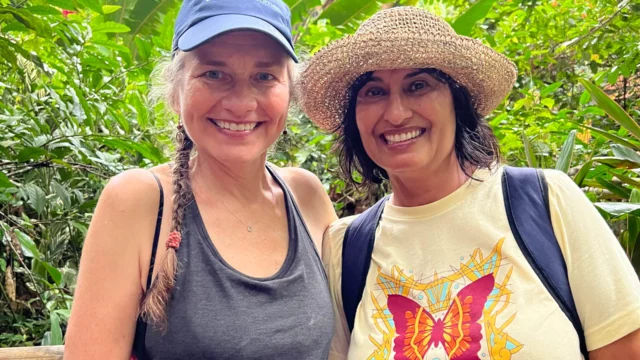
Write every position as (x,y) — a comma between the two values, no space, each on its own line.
(237,274)
(455,267)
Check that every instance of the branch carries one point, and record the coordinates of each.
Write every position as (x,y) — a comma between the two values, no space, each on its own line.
(606,22)
(26,269)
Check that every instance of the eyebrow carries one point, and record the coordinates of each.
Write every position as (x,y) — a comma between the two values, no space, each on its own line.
(417,72)
(409,75)
(259,64)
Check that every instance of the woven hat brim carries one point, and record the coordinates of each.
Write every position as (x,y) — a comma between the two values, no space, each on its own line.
(325,80)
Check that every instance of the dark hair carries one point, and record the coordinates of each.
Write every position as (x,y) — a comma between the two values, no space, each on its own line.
(475,143)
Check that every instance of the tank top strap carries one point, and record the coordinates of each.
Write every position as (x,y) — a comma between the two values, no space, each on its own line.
(296,217)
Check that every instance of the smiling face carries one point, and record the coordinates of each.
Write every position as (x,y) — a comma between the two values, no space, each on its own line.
(406,120)
(234,95)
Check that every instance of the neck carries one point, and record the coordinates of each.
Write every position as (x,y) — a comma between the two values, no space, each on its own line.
(427,185)
(243,181)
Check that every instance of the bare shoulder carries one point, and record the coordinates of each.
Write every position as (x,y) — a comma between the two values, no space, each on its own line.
(312,199)
(135,188)
(302,181)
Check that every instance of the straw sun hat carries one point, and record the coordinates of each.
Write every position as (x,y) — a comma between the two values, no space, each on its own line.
(398,38)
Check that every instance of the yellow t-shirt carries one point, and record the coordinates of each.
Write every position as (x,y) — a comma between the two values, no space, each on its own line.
(432,263)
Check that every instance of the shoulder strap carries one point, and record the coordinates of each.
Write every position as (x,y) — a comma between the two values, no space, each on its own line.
(357,247)
(156,234)
(526,199)
(139,348)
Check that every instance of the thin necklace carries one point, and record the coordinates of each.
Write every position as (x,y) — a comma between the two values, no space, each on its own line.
(248,226)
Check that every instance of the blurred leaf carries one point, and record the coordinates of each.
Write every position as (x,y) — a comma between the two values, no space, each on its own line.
(144,15)
(62,193)
(528,151)
(4,181)
(564,160)
(108,9)
(29,248)
(464,23)
(582,173)
(110,27)
(615,138)
(92,4)
(619,190)
(616,162)
(550,88)
(624,152)
(35,197)
(612,108)
(615,209)
(56,275)
(346,12)
(56,331)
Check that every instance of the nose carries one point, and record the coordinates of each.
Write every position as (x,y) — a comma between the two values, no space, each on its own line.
(396,111)
(240,101)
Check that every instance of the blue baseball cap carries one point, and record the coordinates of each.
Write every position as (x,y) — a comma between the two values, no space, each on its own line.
(201,20)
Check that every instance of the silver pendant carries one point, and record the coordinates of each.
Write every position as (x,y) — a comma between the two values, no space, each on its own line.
(249,228)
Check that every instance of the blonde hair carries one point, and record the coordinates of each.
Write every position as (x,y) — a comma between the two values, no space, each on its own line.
(165,83)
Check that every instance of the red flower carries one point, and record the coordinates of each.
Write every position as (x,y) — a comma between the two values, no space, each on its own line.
(66,13)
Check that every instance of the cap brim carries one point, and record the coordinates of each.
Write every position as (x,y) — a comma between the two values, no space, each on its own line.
(220,24)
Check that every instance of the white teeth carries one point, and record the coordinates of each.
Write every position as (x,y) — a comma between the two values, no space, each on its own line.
(235,126)
(396,138)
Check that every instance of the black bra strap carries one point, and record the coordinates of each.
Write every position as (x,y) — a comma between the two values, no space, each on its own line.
(156,235)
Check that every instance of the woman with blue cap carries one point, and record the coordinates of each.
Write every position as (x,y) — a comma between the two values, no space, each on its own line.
(239,276)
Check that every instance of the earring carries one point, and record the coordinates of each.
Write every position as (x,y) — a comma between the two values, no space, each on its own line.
(285,132)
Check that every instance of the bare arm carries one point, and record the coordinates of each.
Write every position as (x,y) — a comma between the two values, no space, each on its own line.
(627,348)
(103,317)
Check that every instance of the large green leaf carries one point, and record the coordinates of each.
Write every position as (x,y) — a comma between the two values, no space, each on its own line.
(62,193)
(564,160)
(582,173)
(56,331)
(4,181)
(616,162)
(624,152)
(615,209)
(613,137)
(35,197)
(612,108)
(144,16)
(29,248)
(464,23)
(303,9)
(619,190)
(110,27)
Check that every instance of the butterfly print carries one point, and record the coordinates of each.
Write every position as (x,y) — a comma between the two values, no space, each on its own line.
(458,331)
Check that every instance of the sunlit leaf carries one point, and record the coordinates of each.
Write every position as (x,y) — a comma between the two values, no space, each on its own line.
(464,23)
(110,27)
(612,108)
(566,154)
(613,137)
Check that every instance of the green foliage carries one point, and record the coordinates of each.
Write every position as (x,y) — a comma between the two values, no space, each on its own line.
(74,112)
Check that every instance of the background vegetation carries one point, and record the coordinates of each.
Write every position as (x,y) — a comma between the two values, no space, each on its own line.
(74,112)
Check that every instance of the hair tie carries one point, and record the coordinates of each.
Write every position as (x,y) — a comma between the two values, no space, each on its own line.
(174,240)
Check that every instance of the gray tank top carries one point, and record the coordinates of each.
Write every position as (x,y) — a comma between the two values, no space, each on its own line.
(217,312)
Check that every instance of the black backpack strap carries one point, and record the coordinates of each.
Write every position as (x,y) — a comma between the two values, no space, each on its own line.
(139,348)
(156,235)
(526,199)
(357,247)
